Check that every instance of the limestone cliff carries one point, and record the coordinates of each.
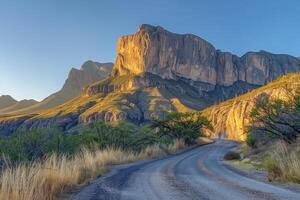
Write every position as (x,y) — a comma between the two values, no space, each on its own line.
(172,56)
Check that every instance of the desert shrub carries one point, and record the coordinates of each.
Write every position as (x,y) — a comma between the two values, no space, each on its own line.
(123,135)
(27,145)
(232,155)
(251,139)
(279,118)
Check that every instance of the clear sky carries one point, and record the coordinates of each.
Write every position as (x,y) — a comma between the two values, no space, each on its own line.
(41,40)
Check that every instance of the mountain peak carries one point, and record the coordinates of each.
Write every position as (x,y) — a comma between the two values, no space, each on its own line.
(6,100)
(154,50)
(88,64)
(151,28)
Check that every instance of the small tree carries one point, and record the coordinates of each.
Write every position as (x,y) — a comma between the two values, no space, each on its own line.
(277,117)
(187,126)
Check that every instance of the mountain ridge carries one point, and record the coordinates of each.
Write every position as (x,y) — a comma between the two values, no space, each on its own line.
(89,72)
(171,56)
(6,100)
(156,72)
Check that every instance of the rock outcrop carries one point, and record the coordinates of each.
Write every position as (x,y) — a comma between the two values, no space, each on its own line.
(172,56)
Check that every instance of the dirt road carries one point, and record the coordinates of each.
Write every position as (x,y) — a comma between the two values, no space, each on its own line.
(196,174)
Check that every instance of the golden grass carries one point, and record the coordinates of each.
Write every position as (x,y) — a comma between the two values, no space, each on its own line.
(46,180)
(283,163)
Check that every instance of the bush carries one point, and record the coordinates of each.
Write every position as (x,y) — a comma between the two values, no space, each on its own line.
(232,155)
(27,145)
(251,140)
(276,117)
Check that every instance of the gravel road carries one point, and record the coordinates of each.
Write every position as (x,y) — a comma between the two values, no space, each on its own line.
(199,173)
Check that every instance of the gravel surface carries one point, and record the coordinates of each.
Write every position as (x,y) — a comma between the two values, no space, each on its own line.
(199,173)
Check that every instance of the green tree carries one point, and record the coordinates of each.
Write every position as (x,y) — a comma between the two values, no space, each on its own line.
(277,117)
(187,126)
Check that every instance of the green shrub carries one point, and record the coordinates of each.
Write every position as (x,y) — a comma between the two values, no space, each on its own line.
(279,118)
(251,140)
(24,145)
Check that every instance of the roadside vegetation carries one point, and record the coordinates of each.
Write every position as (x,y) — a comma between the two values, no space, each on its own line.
(42,163)
(274,138)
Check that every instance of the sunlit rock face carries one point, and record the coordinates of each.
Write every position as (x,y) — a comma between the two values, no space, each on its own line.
(157,51)
(172,56)
(157,72)
(232,118)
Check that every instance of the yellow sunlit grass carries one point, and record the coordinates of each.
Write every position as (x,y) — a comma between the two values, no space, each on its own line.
(45,180)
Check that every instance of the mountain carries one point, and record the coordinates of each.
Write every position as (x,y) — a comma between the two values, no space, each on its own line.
(155,72)
(231,117)
(6,101)
(174,56)
(18,105)
(77,79)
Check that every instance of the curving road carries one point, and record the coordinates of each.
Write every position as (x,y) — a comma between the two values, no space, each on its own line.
(195,174)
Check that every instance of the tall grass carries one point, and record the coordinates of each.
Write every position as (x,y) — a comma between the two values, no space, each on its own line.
(45,180)
(283,163)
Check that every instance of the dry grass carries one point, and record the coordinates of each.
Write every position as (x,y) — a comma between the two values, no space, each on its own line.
(283,163)
(45,180)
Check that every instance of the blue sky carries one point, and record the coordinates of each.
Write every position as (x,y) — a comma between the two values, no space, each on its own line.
(41,40)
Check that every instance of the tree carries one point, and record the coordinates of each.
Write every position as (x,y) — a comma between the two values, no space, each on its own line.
(278,117)
(187,126)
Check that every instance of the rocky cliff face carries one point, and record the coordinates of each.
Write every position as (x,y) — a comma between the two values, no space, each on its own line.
(90,72)
(172,56)
(157,71)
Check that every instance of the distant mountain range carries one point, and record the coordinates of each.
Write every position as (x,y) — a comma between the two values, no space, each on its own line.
(9,104)
(156,72)
(77,79)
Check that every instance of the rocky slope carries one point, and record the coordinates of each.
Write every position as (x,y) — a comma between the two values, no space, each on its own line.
(157,71)
(231,118)
(89,72)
